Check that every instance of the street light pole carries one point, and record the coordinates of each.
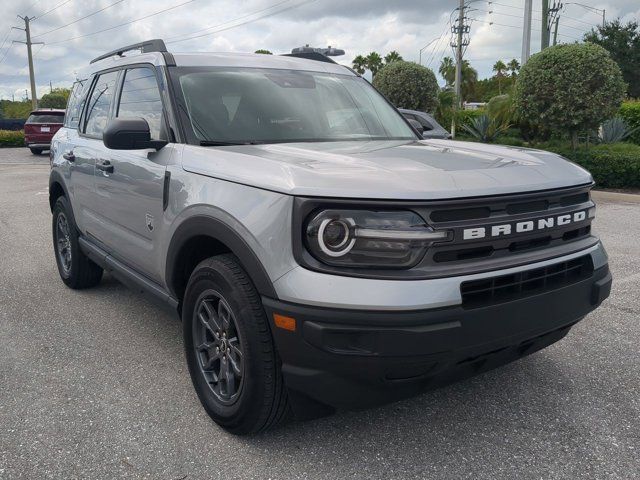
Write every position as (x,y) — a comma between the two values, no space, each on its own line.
(526,32)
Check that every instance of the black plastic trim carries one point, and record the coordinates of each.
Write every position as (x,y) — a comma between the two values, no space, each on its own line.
(209,226)
(154,45)
(126,274)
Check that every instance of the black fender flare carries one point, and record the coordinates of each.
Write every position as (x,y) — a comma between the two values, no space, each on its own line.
(217,229)
(56,177)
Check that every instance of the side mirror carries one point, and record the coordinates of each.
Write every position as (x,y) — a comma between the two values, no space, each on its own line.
(130,134)
(417,125)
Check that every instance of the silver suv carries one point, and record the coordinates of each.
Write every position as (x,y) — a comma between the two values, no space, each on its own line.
(320,254)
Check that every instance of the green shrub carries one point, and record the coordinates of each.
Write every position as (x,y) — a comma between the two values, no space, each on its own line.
(408,85)
(615,165)
(484,128)
(570,88)
(630,112)
(11,138)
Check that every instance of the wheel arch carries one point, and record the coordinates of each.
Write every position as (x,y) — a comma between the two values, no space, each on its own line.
(200,237)
(57,189)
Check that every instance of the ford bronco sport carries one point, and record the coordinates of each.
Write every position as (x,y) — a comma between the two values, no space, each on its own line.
(321,255)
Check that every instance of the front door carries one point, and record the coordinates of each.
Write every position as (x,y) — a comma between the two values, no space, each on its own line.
(130,183)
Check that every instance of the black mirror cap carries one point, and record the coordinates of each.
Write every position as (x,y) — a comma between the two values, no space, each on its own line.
(130,134)
(416,125)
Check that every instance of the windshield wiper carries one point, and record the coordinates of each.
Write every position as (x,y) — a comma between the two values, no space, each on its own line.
(216,143)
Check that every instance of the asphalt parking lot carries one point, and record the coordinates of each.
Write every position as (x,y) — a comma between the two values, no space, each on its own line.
(93,384)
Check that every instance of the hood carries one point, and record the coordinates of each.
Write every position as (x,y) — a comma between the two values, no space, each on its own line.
(401,170)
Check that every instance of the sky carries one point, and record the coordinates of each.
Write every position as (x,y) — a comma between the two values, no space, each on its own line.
(356,26)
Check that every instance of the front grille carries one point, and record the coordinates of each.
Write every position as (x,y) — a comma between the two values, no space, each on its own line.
(490,291)
(457,216)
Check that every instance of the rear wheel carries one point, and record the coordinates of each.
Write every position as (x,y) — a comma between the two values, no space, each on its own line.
(36,151)
(231,356)
(75,268)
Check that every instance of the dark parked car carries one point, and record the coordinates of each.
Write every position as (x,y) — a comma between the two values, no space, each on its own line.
(40,127)
(430,128)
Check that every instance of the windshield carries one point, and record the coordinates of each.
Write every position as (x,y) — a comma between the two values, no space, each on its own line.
(248,105)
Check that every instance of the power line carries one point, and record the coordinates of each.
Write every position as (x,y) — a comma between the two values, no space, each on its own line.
(518,27)
(243,23)
(51,10)
(79,19)
(122,24)
(229,21)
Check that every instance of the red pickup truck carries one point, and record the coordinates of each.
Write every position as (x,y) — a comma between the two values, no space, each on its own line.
(40,128)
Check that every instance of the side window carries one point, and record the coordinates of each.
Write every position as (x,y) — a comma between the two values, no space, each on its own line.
(76,102)
(140,98)
(97,115)
(423,121)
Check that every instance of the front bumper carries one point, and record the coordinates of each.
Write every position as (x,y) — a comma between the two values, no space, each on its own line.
(345,358)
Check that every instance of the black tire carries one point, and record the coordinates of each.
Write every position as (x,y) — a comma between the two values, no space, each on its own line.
(36,151)
(79,272)
(260,398)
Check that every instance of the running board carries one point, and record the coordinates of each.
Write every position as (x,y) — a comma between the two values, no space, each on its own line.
(126,274)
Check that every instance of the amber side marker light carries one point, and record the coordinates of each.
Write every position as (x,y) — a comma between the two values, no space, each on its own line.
(286,323)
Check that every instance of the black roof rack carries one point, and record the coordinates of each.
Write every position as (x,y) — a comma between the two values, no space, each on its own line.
(318,57)
(155,45)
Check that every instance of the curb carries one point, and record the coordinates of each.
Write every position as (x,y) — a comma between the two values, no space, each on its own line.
(603,196)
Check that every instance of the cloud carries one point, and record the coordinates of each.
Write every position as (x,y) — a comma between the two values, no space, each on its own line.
(357,26)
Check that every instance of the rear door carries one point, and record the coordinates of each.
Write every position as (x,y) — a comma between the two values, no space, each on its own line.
(130,188)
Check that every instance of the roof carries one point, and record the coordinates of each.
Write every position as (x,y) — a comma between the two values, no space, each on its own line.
(286,62)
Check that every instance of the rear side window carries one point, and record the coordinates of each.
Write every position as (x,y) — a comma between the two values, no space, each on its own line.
(99,103)
(46,118)
(76,101)
(140,98)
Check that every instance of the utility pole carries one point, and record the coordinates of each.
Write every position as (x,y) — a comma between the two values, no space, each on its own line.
(459,31)
(32,77)
(544,39)
(555,31)
(526,32)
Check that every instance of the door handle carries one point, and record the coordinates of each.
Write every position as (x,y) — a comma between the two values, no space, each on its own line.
(105,166)
(68,155)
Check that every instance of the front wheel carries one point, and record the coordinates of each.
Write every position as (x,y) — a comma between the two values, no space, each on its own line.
(231,356)
(36,151)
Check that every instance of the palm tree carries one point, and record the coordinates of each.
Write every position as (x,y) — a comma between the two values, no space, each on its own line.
(359,64)
(374,63)
(469,80)
(392,56)
(514,67)
(469,76)
(448,70)
(499,67)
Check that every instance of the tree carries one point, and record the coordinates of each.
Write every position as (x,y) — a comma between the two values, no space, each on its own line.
(570,88)
(408,85)
(514,67)
(56,99)
(469,76)
(263,51)
(623,43)
(448,71)
(374,63)
(391,57)
(499,67)
(359,64)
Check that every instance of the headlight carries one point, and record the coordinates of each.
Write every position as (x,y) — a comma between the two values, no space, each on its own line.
(362,238)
